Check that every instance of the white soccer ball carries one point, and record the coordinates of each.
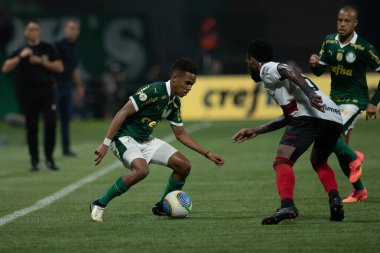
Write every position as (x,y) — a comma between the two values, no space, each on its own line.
(177,204)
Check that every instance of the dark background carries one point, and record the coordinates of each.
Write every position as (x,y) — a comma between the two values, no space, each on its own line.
(296,28)
(170,29)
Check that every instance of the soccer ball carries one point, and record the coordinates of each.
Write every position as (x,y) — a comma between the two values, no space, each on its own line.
(177,204)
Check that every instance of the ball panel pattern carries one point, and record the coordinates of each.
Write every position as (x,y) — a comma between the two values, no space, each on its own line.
(167,207)
(184,199)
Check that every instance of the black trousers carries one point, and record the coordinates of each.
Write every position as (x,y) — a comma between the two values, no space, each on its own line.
(64,103)
(38,100)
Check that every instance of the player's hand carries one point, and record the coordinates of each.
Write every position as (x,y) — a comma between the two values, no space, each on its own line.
(215,158)
(314,59)
(244,134)
(371,111)
(317,102)
(36,60)
(79,94)
(26,52)
(100,152)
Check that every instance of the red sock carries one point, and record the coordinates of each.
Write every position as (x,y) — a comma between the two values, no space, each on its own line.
(285,177)
(326,176)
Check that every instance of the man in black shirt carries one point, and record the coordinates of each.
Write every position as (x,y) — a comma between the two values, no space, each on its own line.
(35,64)
(68,50)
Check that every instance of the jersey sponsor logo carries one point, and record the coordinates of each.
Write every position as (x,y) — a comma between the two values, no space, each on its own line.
(350,57)
(153,124)
(340,70)
(330,109)
(148,121)
(150,100)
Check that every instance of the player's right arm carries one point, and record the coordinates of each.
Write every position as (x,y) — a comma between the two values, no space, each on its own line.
(293,75)
(249,133)
(318,66)
(116,123)
(371,109)
(11,63)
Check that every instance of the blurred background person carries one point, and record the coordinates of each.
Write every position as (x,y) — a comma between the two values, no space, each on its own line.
(68,50)
(35,63)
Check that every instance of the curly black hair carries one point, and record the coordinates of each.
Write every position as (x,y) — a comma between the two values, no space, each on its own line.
(261,50)
(184,65)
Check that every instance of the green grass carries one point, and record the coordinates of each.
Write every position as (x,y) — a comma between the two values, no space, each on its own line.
(228,202)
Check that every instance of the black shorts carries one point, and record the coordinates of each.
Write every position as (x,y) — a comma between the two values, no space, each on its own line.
(301,132)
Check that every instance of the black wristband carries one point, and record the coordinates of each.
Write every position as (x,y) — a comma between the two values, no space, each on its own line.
(207,154)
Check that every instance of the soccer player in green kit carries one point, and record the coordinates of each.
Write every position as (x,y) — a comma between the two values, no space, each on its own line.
(347,56)
(129,136)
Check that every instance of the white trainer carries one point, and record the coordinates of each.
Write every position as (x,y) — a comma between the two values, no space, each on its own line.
(96,213)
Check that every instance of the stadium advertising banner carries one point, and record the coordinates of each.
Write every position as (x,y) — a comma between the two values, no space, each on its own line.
(232,97)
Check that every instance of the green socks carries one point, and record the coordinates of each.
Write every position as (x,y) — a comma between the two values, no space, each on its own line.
(346,155)
(115,190)
(172,186)
(342,149)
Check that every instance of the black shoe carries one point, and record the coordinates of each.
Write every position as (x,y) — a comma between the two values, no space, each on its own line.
(336,209)
(281,214)
(69,153)
(158,209)
(35,168)
(51,165)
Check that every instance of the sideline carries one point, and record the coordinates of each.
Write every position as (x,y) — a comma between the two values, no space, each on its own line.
(42,203)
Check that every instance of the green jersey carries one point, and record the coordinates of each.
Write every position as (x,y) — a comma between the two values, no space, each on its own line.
(348,68)
(152,103)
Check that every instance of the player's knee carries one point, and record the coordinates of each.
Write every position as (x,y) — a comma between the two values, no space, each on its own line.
(142,173)
(185,167)
(278,161)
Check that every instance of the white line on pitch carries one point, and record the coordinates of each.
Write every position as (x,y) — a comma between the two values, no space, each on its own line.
(42,203)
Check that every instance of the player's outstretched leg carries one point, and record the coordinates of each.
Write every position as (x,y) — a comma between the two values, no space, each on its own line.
(281,214)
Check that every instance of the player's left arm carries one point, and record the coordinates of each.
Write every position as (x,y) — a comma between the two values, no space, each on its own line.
(181,135)
(249,133)
(373,60)
(293,75)
(371,109)
(125,112)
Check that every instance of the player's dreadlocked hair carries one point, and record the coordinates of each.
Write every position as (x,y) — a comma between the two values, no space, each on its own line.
(261,50)
(184,65)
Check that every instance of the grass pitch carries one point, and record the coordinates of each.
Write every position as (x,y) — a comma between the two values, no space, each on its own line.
(228,202)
